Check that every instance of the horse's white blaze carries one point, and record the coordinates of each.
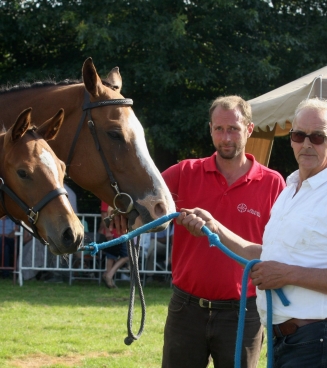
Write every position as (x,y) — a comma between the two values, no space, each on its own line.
(47,159)
(147,162)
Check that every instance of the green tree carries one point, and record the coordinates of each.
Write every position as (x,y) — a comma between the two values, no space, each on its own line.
(175,56)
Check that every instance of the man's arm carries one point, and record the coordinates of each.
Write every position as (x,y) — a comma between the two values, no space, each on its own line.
(274,275)
(264,275)
(196,218)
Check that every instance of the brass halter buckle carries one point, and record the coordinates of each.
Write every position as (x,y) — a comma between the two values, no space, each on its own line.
(33,216)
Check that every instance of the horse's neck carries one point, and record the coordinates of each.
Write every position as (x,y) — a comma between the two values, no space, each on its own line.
(45,102)
(2,210)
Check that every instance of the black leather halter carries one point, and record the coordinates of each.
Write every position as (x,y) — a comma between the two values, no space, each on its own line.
(87,107)
(32,212)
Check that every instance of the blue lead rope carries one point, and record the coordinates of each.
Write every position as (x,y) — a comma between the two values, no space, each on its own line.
(93,248)
(214,240)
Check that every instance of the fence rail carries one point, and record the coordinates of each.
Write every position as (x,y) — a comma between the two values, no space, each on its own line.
(33,257)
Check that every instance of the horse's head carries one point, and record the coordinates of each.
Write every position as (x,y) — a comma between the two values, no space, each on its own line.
(34,174)
(120,136)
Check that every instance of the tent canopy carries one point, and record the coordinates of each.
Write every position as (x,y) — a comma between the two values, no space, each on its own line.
(273,112)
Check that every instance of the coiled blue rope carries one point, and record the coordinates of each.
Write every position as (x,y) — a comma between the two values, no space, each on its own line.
(214,240)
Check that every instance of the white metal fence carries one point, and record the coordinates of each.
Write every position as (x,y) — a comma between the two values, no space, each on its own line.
(34,257)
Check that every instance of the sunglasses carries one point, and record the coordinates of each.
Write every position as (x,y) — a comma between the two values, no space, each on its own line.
(299,137)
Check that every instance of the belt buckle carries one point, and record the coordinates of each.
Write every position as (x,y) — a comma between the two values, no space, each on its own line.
(202,301)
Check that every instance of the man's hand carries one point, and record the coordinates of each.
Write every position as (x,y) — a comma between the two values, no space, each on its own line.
(195,219)
(118,222)
(269,275)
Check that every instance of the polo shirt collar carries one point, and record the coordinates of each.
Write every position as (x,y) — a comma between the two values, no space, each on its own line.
(255,171)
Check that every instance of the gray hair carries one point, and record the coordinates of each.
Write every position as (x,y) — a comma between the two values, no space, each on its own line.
(313,104)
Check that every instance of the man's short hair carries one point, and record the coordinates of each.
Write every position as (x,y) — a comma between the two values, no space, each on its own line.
(230,103)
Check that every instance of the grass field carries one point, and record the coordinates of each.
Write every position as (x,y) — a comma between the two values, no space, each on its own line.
(80,326)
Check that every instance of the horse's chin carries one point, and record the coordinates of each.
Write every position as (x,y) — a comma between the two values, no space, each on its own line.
(59,251)
(140,217)
(53,248)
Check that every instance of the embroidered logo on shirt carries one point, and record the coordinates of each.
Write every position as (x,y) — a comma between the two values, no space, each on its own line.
(242,207)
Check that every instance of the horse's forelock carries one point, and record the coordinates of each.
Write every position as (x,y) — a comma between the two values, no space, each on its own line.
(109,85)
(3,130)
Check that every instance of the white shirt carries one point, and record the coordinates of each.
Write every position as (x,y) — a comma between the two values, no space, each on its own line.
(296,234)
(145,242)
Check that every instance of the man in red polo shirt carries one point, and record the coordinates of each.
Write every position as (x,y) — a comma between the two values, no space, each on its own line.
(239,192)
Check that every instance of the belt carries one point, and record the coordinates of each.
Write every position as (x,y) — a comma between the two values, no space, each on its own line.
(289,327)
(210,304)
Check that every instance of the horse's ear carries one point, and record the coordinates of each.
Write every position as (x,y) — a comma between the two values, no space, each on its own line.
(21,125)
(114,78)
(91,79)
(50,128)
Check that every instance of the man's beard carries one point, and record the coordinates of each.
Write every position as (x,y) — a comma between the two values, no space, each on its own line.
(229,155)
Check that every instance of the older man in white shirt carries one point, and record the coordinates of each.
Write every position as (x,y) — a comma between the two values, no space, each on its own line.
(294,251)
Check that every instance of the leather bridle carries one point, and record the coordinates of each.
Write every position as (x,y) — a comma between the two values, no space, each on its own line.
(87,107)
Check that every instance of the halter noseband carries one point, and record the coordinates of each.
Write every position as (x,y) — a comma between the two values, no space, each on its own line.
(31,212)
(87,107)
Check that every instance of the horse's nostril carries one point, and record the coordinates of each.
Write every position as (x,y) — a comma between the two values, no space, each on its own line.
(160,209)
(67,237)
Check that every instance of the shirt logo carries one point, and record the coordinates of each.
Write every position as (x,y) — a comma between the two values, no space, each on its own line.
(242,207)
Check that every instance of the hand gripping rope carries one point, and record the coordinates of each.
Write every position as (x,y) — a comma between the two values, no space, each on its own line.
(214,240)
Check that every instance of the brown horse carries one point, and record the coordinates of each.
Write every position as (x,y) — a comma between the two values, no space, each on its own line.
(101,141)
(31,184)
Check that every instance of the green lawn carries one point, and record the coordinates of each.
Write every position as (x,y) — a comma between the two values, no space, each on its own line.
(83,325)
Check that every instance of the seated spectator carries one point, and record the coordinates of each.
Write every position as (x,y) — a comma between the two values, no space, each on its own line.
(7,243)
(116,256)
(161,250)
(145,242)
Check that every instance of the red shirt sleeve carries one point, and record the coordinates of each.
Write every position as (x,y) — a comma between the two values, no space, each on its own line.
(104,206)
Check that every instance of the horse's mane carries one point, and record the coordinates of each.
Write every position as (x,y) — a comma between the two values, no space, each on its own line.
(46,83)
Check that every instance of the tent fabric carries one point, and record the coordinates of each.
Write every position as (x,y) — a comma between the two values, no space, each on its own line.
(273,112)
(278,106)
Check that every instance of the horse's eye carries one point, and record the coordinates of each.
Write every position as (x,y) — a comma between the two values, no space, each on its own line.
(22,174)
(115,135)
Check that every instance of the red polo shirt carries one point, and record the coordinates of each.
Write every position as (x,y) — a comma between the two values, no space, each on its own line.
(244,208)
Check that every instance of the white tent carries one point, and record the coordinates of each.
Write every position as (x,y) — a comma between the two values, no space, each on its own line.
(274,111)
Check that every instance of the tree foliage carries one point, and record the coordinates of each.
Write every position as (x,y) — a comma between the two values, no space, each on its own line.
(175,56)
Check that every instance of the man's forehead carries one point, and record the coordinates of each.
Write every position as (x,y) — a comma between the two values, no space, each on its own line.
(225,114)
(311,120)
